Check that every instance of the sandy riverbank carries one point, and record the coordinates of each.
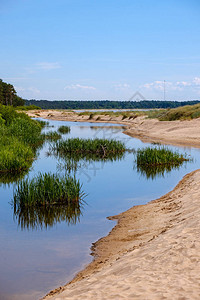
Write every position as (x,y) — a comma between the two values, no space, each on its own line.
(154,250)
(184,133)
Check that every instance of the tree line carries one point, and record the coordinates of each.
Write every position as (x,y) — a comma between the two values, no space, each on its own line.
(8,95)
(106,104)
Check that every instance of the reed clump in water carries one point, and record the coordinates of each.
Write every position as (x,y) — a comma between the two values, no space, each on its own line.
(46,190)
(64,129)
(159,156)
(153,162)
(52,136)
(101,147)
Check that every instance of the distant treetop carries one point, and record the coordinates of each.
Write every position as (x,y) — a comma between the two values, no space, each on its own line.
(106,104)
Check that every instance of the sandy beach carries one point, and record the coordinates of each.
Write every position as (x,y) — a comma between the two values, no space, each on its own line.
(154,250)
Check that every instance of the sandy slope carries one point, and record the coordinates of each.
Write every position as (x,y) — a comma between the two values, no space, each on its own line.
(154,251)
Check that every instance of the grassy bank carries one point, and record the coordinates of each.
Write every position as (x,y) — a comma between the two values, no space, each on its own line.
(187,112)
(20,137)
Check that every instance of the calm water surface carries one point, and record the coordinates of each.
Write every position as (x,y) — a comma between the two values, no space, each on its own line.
(34,261)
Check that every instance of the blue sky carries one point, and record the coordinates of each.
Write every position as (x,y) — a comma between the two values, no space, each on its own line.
(105,49)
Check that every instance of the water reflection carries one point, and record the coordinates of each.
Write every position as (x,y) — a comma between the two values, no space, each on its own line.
(73,162)
(153,172)
(10,178)
(43,217)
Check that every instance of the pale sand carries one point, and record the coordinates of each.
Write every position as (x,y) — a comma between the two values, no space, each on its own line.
(154,250)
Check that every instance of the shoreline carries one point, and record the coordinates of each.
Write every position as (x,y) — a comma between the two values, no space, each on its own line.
(159,226)
(177,133)
(155,252)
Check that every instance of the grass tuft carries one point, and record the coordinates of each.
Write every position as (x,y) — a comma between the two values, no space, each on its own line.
(64,129)
(101,147)
(52,136)
(153,162)
(158,156)
(46,190)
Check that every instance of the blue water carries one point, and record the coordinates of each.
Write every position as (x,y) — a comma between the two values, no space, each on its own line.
(33,262)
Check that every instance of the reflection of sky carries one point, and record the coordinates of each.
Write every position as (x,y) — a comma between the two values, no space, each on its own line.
(38,261)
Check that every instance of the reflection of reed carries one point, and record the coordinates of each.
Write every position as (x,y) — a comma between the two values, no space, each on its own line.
(9,178)
(73,162)
(46,199)
(42,217)
(151,172)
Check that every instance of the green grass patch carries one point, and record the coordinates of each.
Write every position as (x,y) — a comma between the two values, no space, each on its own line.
(20,138)
(47,199)
(52,136)
(186,112)
(159,156)
(47,189)
(26,130)
(15,156)
(153,162)
(101,147)
(64,129)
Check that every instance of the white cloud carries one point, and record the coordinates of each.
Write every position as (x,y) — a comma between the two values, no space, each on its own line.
(156,85)
(48,66)
(196,80)
(79,86)
(183,83)
(179,85)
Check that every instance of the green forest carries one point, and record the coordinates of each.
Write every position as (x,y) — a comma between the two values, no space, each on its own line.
(8,95)
(106,104)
